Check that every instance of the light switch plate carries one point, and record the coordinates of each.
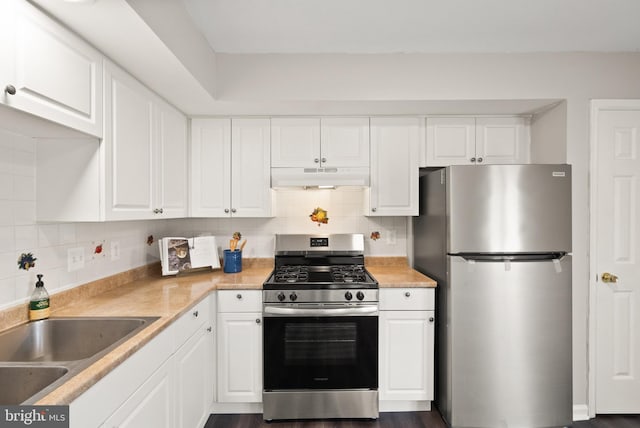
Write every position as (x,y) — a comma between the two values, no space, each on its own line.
(75,259)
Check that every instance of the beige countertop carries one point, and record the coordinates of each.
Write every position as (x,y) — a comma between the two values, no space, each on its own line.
(170,297)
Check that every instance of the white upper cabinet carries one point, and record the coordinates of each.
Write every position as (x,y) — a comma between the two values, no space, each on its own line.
(210,168)
(394,166)
(230,168)
(320,143)
(171,161)
(145,152)
(464,140)
(502,140)
(48,71)
(295,142)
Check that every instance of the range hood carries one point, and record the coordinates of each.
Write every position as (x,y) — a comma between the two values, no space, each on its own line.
(319,177)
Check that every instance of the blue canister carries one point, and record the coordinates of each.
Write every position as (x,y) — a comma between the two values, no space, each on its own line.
(232,261)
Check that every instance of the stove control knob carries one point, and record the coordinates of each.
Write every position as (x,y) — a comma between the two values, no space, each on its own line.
(293,297)
(348,295)
(281,296)
(360,295)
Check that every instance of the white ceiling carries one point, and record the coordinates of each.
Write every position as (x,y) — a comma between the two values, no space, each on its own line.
(417,26)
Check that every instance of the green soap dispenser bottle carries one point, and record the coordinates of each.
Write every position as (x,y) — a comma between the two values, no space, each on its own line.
(39,304)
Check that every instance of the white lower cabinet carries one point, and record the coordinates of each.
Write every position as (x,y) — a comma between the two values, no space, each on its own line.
(406,354)
(150,406)
(167,383)
(239,346)
(194,373)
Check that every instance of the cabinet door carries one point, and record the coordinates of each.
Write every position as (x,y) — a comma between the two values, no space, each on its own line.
(502,140)
(394,166)
(344,142)
(406,355)
(239,357)
(210,167)
(128,147)
(171,161)
(194,376)
(151,406)
(250,169)
(451,141)
(295,142)
(56,75)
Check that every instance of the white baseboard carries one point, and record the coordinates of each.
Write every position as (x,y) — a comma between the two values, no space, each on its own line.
(404,406)
(236,408)
(580,412)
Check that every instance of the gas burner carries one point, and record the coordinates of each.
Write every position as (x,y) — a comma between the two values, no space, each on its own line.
(348,273)
(292,274)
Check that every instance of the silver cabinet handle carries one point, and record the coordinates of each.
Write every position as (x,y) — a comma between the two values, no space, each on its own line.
(195,314)
(324,160)
(258,321)
(479,160)
(239,296)
(233,210)
(10,89)
(431,319)
(374,209)
(472,160)
(316,160)
(407,294)
(209,329)
(158,211)
(226,210)
(358,310)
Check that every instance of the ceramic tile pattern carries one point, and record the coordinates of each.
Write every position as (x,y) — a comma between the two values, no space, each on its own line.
(20,232)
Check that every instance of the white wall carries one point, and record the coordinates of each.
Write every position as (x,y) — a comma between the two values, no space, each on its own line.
(576,78)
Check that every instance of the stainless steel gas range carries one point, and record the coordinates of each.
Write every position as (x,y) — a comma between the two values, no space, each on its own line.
(320,330)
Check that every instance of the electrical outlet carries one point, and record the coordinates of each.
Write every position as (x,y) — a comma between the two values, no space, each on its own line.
(75,259)
(115,250)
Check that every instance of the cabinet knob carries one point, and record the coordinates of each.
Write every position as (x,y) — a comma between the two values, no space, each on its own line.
(479,160)
(431,319)
(407,294)
(10,89)
(233,210)
(195,314)
(316,160)
(324,160)
(374,209)
(239,296)
(226,210)
(158,211)
(258,321)
(209,329)
(473,160)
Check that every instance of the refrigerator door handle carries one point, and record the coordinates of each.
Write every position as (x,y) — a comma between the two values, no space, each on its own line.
(512,257)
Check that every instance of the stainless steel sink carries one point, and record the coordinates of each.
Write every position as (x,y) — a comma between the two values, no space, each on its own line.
(65,339)
(37,357)
(18,383)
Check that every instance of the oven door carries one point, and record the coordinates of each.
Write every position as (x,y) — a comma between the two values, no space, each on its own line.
(320,348)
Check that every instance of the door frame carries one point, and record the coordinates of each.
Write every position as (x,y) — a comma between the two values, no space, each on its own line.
(597,106)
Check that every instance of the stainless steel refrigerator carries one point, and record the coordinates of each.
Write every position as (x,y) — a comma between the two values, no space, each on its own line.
(497,238)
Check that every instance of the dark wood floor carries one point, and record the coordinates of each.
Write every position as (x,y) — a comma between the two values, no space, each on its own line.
(394,420)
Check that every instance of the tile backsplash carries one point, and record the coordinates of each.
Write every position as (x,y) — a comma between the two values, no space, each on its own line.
(50,242)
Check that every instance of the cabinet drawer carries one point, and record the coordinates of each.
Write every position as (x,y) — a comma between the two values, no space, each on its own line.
(407,299)
(239,301)
(191,320)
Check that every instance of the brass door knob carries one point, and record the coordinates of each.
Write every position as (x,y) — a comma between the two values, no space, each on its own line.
(609,277)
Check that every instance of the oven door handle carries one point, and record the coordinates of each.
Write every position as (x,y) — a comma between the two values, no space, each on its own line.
(362,310)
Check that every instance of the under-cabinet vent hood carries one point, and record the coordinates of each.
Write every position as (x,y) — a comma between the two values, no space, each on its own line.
(319,177)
